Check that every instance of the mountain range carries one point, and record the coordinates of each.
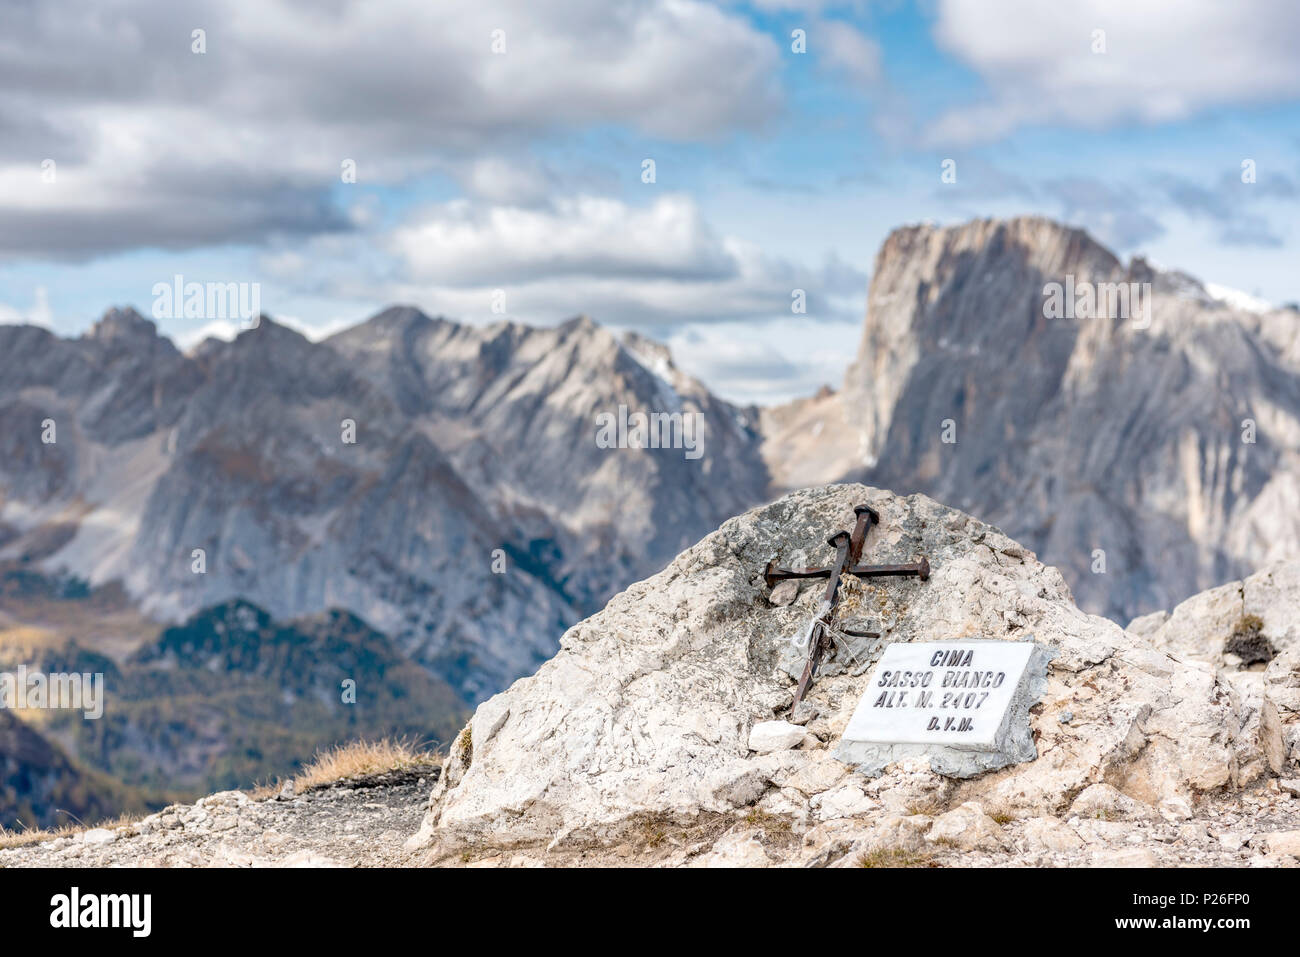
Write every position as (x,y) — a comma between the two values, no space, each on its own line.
(471,517)
(443,486)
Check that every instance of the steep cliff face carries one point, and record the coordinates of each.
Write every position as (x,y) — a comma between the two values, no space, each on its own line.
(961,304)
(1110,440)
(515,408)
(443,482)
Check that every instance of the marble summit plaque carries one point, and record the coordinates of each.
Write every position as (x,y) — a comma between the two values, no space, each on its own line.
(963,704)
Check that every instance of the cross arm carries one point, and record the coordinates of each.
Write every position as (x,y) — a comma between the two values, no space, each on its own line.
(921,569)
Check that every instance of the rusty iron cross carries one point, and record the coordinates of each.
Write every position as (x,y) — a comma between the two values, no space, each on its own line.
(848,552)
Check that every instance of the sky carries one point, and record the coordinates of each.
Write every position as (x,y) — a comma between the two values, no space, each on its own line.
(492,159)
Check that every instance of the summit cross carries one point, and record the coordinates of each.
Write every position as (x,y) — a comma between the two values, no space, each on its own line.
(848,552)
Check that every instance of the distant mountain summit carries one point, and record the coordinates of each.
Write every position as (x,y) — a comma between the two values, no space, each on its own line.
(441,481)
(1149,456)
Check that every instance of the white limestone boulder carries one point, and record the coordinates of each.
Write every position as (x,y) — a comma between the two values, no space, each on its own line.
(1242,625)
(649,707)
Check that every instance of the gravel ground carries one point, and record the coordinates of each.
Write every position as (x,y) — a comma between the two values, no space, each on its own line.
(353,823)
(365,822)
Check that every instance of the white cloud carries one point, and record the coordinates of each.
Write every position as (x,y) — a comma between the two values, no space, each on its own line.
(766,362)
(315,331)
(38,314)
(500,180)
(1161,63)
(466,244)
(848,50)
(157,145)
(284,264)
(653,265)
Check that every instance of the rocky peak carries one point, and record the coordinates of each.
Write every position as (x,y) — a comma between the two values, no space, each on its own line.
(581,324)
(1091,434)
(266,332)
(395,331)
(651,353)
(269,359)
(124,336)
(123,324)
(588,341)
(963,291)
(401,318)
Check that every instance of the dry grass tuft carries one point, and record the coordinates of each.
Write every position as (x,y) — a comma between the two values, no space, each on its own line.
(894,857)
(361,758)
(654,831)
(1248,642)
(930,806)
(771,824)
(34,835)
(22,838)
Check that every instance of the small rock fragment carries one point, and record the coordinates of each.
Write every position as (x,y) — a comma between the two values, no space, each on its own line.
(1127,857)
(1048,834)
(1174,809)
(807,711)
(1279,843)
(1103,802)
(1232,841)
(968,828)
(784,593)
(774,736)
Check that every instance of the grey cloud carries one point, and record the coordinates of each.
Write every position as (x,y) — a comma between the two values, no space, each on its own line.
(178,217)
(1227,204)
(1250,231)
(842,278)
(1117,215)
(1035,59)
(287,90)
(27,137)
(979,179)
